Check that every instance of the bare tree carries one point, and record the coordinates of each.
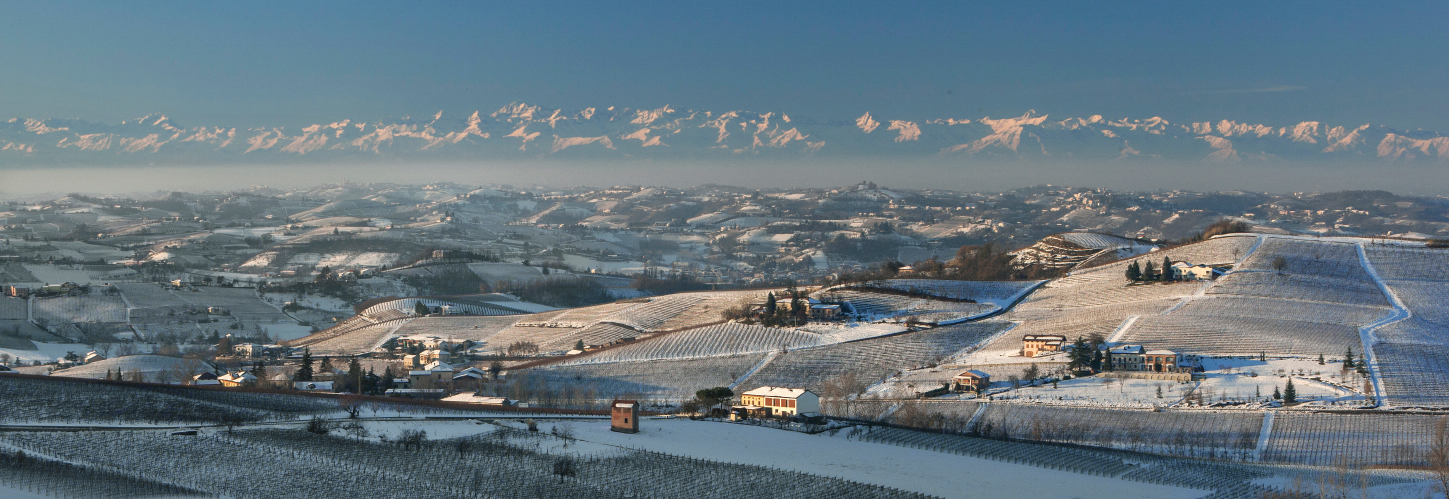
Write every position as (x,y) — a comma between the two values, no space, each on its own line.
(565,431)
(1438,455)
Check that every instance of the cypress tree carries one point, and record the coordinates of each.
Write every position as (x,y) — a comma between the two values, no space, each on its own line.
(1166,269)
(770,306)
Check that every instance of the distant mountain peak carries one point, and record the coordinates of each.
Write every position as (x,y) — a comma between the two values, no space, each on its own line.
(522,130)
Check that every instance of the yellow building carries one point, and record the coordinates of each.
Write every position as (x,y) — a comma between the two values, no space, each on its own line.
(781,401)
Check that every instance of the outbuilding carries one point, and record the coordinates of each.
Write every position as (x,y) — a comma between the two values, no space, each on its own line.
(624,416)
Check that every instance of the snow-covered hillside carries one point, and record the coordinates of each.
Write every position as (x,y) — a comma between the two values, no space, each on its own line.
(523,130)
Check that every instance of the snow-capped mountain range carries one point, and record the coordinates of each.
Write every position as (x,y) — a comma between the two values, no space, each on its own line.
(522,131)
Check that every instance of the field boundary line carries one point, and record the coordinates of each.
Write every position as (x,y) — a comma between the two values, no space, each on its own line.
(760,365)
(1367,333)
(1264,434)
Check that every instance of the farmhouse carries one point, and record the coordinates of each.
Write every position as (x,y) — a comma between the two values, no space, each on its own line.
(1034,344)
(774,400)
(1184,271)
(970,381)
(469,380)
(433,376)
(825,312)
(624,416)
(1136,358)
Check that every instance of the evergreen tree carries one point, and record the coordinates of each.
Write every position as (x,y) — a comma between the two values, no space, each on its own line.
(1149,273)
(1134,272)
(1362,363)
(1159,391)
(1166,269)
(386,381)
(1107,361)
(260,371)
(420,309)
(770,308)
(370,382)
(304,371)
(1290,395)
(798,308)
(1320,359)
(354,373)
(326,366)
(1257,392)
(1277,395)
(1348,359)
(579,345)
(1096,359)
(1081,354)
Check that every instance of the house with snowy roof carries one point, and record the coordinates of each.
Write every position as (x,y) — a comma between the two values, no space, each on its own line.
(239,378)
(780,401)
(1036,344)
(436,375)
(970,381)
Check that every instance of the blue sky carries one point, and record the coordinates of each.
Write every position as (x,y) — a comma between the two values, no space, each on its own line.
(285,63)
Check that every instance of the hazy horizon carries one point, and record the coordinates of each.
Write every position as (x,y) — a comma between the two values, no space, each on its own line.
(1403,179)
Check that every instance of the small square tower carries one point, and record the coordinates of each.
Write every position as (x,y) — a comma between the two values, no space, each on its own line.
(625,416)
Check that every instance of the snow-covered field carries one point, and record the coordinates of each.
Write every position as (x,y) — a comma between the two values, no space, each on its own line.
(45,352)
(924,471)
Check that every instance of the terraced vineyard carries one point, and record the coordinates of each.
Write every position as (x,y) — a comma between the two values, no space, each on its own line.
(957,290)
(83,308)
(12,309)
(298,464)
(149,295)
(1247,326)
(723,339)
(883,305)
(1413,354)
(1220,435)
(402,307)
(241,303)
(667,381)
(360,340)
(1324,439)
(31,400)
(1227,480)
(474,328)
(870,360)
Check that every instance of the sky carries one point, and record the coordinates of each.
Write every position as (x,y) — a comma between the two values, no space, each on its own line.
(286,63)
